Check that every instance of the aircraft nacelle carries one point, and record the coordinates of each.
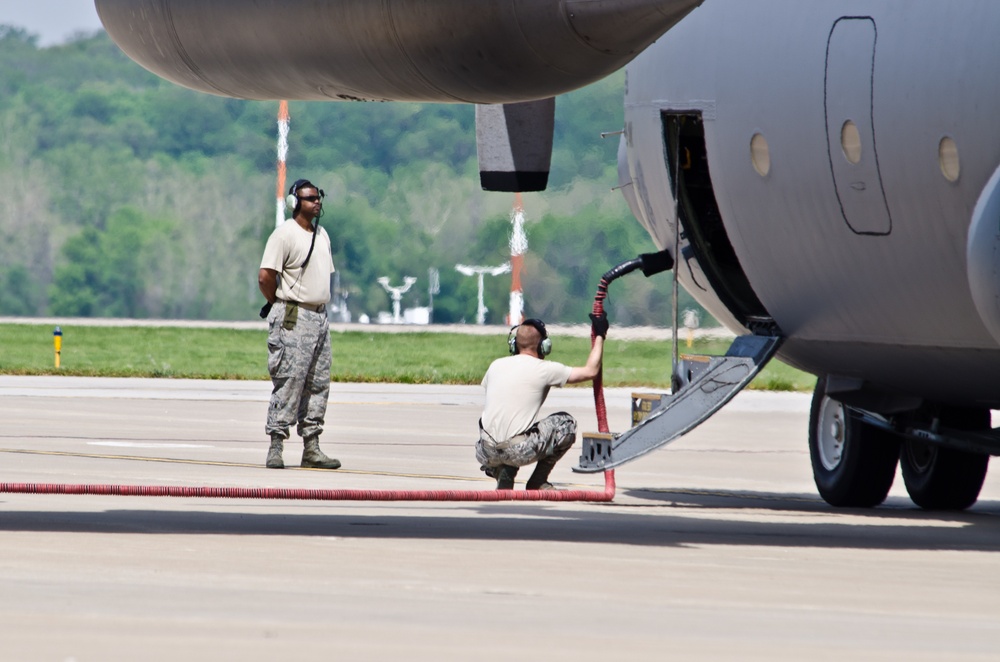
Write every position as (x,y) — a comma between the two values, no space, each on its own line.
(468,51)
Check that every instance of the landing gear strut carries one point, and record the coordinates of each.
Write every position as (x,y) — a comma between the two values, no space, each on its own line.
(853,463)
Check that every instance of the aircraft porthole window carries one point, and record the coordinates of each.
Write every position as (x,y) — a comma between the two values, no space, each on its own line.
(760,154)
(948,159)
(850,141)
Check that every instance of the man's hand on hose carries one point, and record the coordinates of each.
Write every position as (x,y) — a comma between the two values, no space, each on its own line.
(599,324)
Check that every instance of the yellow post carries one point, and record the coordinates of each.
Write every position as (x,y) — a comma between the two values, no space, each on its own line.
(57,339)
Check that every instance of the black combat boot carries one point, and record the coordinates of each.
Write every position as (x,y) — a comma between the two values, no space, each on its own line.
(505,475)
(274,460)
(539,479)
(314,458)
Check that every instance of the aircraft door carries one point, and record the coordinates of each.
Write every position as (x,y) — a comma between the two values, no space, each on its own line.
(700,219)
(850,128)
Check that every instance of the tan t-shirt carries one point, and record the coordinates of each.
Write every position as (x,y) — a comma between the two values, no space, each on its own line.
(516,387)
(286,250)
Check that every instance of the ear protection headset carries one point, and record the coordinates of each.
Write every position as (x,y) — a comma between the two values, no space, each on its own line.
(292,201)
(544,345)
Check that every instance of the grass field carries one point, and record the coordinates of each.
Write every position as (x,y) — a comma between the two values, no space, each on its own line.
(358,356)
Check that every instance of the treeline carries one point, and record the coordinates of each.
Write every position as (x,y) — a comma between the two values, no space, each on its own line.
(122,195)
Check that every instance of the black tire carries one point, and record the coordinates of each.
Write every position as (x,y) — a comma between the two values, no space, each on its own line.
(940,478)
(853,464)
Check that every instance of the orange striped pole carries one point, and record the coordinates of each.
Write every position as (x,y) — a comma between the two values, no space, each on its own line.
(283,127)
(518,247)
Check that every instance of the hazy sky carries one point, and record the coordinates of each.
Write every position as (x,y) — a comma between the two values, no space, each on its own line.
(52,20)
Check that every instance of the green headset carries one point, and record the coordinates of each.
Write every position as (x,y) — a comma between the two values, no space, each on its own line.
(544,345)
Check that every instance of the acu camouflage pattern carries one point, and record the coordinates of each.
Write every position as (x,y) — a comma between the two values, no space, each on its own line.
(549,438)
(299,362)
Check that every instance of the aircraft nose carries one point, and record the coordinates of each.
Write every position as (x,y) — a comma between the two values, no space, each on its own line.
(983,256)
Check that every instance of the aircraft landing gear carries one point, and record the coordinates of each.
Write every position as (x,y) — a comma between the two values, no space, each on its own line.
(854,464)
(940,478)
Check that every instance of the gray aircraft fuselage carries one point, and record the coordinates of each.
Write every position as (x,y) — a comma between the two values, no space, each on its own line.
(861,243)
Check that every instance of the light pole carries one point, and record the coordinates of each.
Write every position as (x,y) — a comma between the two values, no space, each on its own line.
(397,294)
(434,287)
(482,271)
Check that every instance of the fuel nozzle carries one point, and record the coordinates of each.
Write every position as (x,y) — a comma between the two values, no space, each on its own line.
(650,263)
(654,263)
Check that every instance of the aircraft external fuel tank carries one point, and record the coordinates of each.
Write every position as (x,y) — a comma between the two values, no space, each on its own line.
(471,51)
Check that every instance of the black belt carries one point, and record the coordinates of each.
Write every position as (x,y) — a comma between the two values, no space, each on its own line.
(502,445)
(314,307)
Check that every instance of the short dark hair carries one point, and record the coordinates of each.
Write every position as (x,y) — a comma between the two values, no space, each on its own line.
(300,184)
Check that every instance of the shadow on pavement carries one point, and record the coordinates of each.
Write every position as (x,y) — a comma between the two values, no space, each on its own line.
(650,518)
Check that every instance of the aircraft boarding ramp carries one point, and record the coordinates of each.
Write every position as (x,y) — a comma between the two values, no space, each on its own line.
(707,383)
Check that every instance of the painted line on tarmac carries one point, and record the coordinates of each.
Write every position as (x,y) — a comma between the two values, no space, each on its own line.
(146,444)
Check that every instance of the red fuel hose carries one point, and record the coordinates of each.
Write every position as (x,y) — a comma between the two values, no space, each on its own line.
(314,494)
(599,406)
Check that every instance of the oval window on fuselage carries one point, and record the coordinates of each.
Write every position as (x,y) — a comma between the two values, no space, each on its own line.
(760,154)
(850,141)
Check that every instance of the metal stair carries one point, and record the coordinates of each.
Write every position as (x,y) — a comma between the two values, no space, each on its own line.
(706,384)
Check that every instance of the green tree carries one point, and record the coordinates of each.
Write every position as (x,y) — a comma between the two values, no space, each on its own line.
(19,292)
(105,270)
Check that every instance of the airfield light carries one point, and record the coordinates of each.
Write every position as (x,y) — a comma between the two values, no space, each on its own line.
(691,322)
(397,294)
(480,271)
(57,340)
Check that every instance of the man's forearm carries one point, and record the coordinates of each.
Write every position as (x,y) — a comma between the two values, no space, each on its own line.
(596,355)
(593,366)
(267,282)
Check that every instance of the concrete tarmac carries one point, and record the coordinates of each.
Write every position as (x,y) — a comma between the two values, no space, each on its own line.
(716,547)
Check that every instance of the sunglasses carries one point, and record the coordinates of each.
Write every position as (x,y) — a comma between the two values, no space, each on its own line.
(311,198)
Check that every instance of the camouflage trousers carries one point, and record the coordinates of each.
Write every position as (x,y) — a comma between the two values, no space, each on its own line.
(298,359)
(550,437)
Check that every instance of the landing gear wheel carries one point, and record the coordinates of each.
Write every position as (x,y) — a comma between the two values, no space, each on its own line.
(853,464)
(940,478)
